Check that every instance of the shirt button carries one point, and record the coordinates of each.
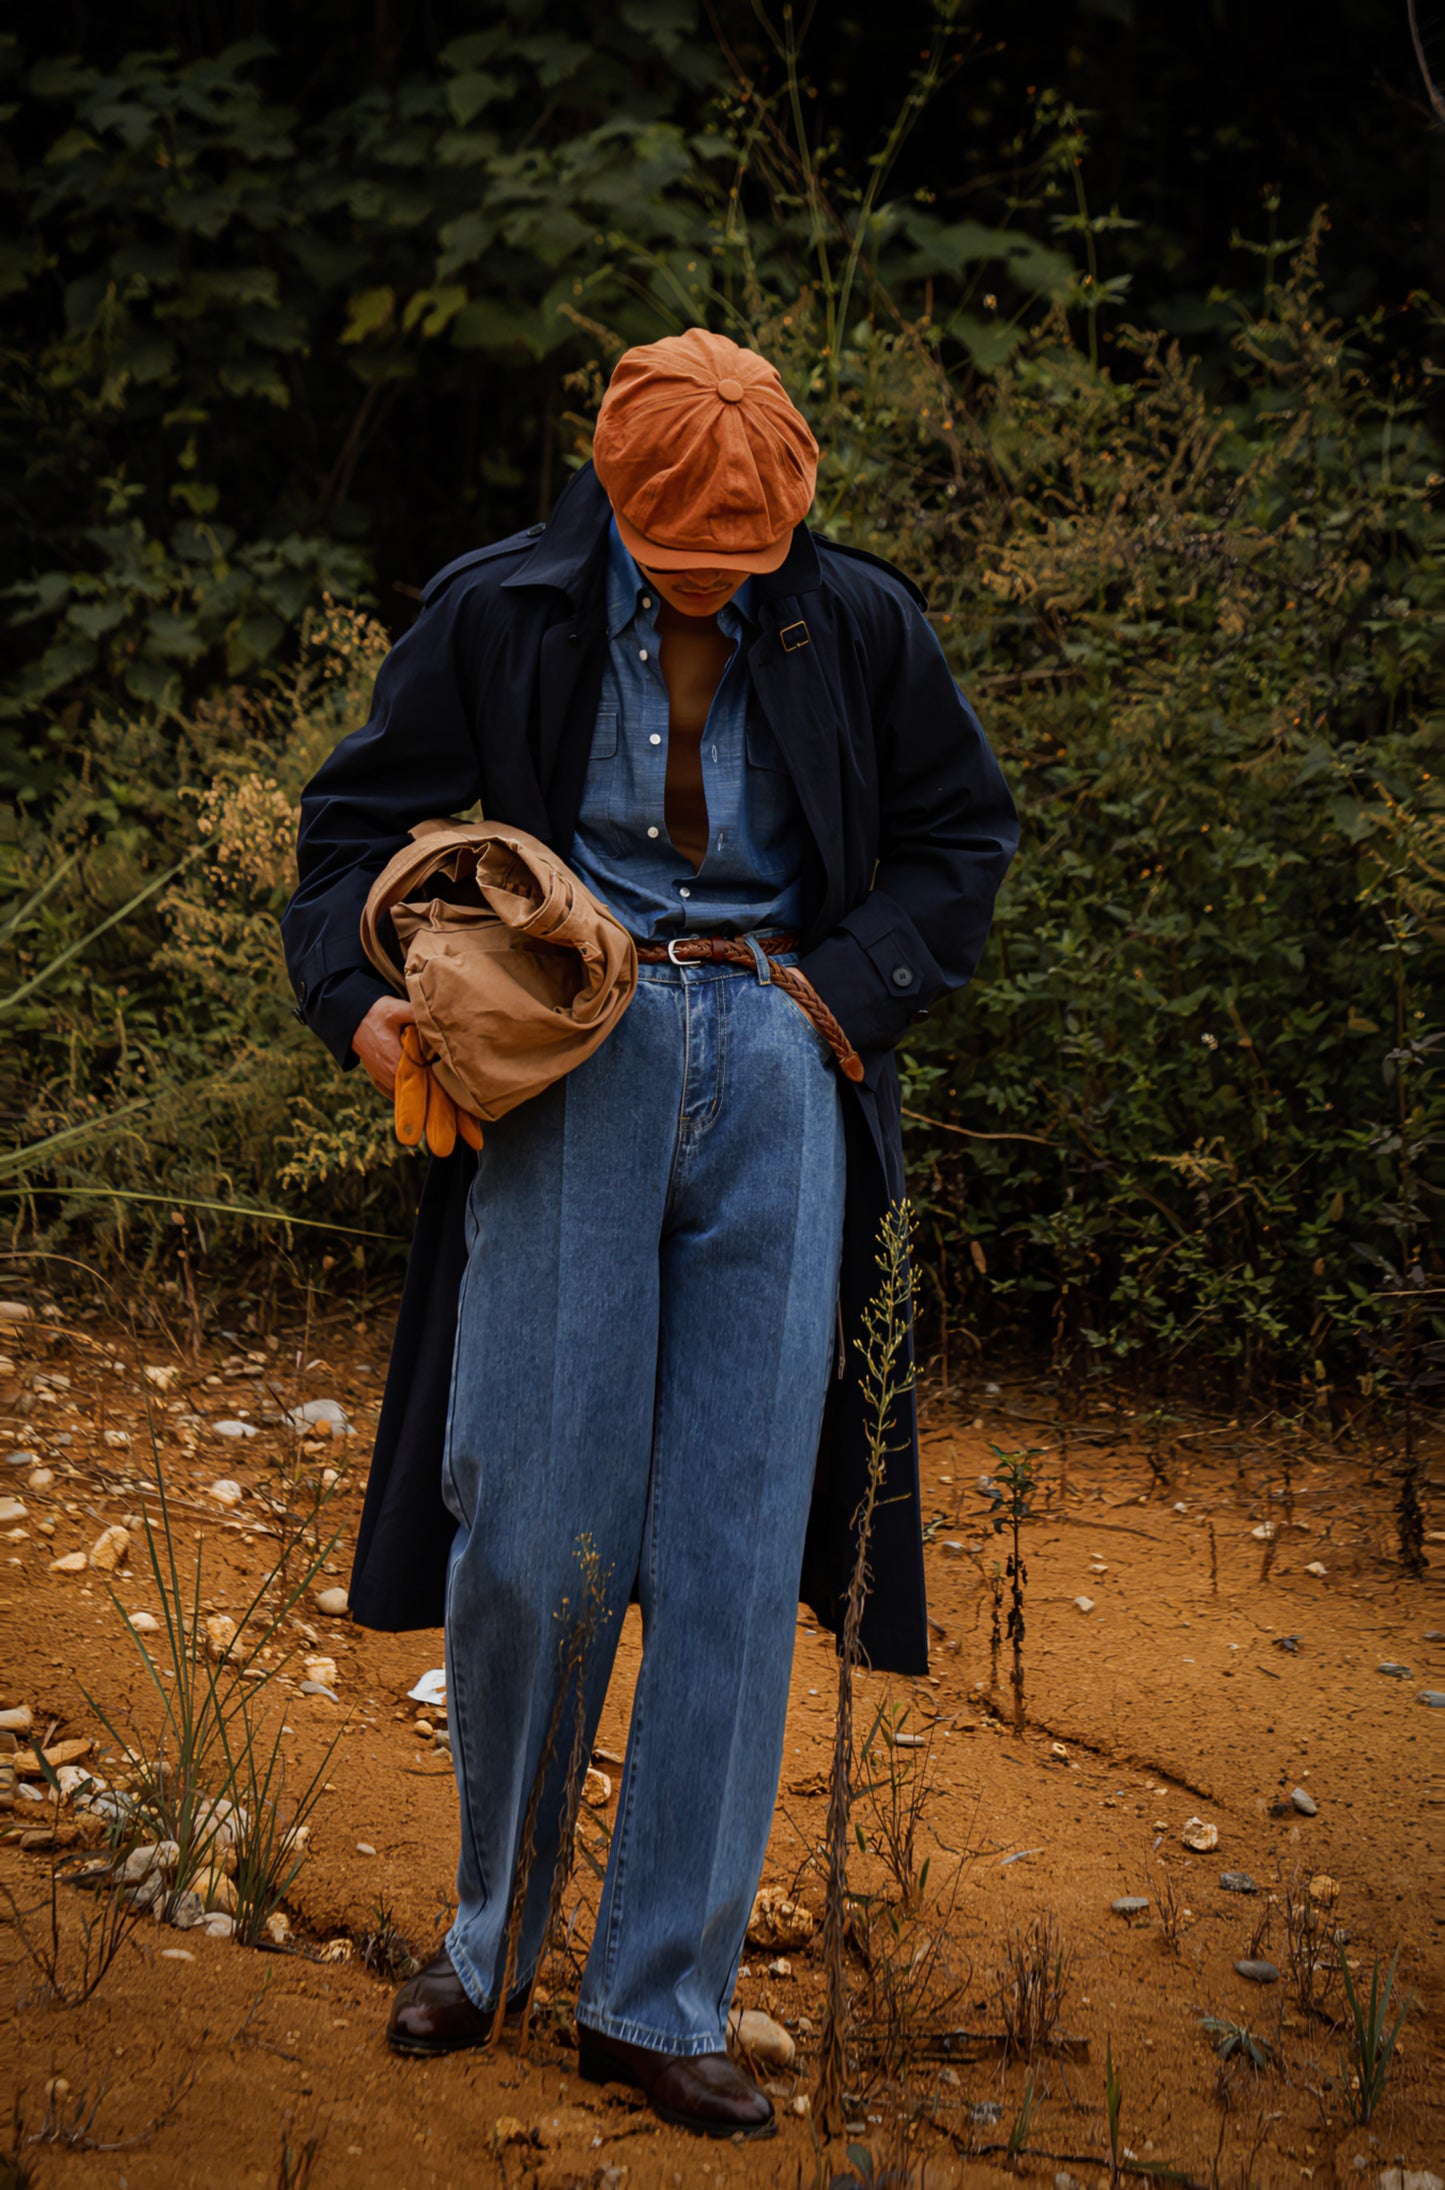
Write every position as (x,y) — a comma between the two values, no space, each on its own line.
(684,891)
(647,600)
(652,832)
(642,653)
(902,977)
(656,738)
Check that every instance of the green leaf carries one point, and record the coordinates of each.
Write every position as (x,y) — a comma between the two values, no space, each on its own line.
(71,144)
(468,94)
(663,23)
(435,308)
(368,313)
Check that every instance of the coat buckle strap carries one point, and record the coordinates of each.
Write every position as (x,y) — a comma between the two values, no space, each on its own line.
(794,636)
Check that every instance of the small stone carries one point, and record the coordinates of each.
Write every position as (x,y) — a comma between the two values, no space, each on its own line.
(1130,1904)
(1324,1889)
(364,1847)
(40,1479)
(334,1603)
(322,1670)
(1196,1833)
(1263,1531)
(278,1927)
(141,1863)
(779,1923)
(319,1688)
(1434,1697)
(27,1763)
(1085,1604)
(109,1549)
(1435,1634)
(25,1459)
(18,1720)
(782,1967)
(57,2088)
(11,1509)
(596,1788)
(1058,1753)
(951,1548)
(217,1891)
(144,1623)
(1237,1882)
(985,2112)
(188,1911)
(226,1492)
(336,1950)
(70,1562)
(1317,1568)
(177,1954)
(162,1375)
(1304,1802)
(322,1417)
(801,2105)
(757,2035)
(15,1311)
(118,1439)
(423,1729)
(1258,1972)
(220,1633)
(1394,1669)
(220,1924)
(73,1779)
(228,1428)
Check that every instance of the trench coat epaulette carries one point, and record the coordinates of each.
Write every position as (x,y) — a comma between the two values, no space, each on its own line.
(879,562)
(516,543)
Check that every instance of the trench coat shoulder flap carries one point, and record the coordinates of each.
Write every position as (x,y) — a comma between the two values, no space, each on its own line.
(515,969)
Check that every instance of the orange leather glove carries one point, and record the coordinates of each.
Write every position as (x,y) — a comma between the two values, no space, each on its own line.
(422,1106)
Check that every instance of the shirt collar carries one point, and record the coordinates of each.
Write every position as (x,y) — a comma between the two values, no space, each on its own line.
(626,585)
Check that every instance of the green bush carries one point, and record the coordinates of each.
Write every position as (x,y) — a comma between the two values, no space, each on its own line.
(1182,1127)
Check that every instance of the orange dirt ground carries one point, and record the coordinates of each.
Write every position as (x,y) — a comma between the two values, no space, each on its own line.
(1170,1698)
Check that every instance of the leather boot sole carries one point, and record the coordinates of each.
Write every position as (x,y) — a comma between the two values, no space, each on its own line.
(597,2066)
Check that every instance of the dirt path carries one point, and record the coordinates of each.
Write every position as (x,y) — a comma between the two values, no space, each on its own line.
(1174,1697)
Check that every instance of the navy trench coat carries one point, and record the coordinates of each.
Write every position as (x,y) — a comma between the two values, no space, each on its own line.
(491,697)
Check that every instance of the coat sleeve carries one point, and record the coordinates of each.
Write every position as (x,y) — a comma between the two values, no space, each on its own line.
(414,757)
(948,829)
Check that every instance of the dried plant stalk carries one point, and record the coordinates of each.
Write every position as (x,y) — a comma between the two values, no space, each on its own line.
(887,1375)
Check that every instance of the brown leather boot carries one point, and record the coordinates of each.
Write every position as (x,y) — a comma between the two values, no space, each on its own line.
(432,2013)
(705,2092)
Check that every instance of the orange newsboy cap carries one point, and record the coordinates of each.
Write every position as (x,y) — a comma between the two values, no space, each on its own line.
(706,460)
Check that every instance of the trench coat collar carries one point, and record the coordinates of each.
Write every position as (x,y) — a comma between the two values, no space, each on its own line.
(570,554)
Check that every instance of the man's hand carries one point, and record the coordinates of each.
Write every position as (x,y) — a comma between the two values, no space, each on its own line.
(377,1041)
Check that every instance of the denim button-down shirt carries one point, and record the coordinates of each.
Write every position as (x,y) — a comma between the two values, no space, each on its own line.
(751,876)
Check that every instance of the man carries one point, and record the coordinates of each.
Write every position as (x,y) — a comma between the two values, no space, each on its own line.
(627,1328)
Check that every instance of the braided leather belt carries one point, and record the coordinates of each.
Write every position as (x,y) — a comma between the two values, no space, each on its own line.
(735,950)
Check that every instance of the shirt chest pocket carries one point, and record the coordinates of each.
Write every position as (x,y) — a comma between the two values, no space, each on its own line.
(762,748)
(594,815)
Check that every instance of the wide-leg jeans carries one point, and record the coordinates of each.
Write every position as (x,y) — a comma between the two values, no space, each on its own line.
(646,1330)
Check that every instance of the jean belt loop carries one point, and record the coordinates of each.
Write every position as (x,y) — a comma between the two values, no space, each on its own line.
(765,971)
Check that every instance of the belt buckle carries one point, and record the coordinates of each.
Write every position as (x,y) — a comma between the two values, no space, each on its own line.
(672,943)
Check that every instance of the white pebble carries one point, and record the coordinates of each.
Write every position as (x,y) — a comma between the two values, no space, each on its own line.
(226,1492)
(234,1429)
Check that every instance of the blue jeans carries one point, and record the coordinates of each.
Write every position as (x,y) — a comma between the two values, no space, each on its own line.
(645,1334)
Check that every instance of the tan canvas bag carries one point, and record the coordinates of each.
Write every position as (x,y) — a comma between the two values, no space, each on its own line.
(515,976)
